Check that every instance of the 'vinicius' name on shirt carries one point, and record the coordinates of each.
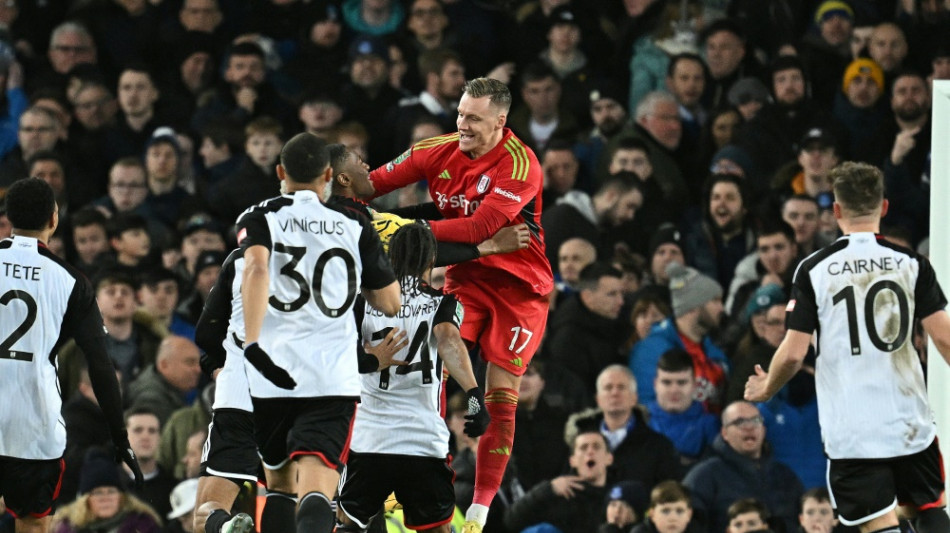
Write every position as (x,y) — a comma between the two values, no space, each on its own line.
(318,227)
(29,273)
(859,266)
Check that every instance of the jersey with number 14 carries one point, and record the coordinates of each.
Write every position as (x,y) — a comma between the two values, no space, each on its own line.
(507,180)
(861,295)
(401,407)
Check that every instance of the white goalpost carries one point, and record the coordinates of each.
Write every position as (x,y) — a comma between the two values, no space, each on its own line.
(938,373)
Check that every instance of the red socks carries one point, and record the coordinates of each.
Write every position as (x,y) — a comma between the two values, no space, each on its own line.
(494,448)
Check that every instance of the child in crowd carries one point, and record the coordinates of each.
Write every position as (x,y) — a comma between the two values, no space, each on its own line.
(670,510)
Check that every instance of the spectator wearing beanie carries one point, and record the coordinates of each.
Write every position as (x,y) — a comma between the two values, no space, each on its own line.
(627,504)
(103,505)
(666,246)
(826,49)
(749,95)
(859,105)
(697,311)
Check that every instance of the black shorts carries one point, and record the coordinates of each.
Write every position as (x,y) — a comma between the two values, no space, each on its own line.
(29,487)
(423,485)
(230,451)
(864,489)
(287,428)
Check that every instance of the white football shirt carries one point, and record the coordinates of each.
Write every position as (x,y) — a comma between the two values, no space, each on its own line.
(401,407)
(860,296)
(319,258)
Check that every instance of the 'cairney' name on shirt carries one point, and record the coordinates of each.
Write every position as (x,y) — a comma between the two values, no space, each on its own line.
(319,227)
(859,266)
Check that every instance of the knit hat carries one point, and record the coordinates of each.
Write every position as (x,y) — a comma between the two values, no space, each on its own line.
(764,297)
(183,498)
(830,8)
(690,289)
(864,66)
(738,156)
(667,233)
(98,470)
(748,90)
(634,494)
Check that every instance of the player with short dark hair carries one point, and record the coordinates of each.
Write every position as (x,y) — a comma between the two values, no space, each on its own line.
(485,166)
(302,264)
(44,301)
(410,457)
(861,294)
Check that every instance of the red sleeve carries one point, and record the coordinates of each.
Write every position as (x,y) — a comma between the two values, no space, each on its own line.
(473,230)
(401,171)
(518,185)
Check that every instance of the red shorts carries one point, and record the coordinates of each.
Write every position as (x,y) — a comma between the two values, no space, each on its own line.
(506,321)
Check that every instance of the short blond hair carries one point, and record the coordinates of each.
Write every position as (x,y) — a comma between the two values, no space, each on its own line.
(497,92)
(859,187)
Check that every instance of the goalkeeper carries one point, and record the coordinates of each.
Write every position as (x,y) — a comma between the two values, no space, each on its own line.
(351,180)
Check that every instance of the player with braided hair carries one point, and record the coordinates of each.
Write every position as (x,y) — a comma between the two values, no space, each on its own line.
(409,458)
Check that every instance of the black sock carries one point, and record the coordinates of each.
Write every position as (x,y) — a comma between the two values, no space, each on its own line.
(933,520)
(315,514)
(278,513)
(215,520)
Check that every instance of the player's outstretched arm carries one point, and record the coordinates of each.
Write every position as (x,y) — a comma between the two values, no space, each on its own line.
(937,325)
(453,353)
(507,239)
(785,363)
(387,299)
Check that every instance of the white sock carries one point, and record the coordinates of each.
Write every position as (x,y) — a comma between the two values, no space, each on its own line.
(477,513)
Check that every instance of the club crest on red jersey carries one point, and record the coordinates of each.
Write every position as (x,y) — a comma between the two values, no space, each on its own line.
(483,182)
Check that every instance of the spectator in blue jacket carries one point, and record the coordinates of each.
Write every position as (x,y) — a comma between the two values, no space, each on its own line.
(697,310)
(675,413)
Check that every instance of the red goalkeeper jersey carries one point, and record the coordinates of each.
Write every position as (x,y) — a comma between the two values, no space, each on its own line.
(478,197)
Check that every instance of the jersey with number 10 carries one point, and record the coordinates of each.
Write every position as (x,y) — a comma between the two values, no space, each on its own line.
(508,179)
(319,257)
(401,407)
(861,295)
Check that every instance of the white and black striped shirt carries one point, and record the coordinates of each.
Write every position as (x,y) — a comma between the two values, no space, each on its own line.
(860,296)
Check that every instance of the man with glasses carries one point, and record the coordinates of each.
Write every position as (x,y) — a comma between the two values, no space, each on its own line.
(69,45)
(38,131)
(742,467)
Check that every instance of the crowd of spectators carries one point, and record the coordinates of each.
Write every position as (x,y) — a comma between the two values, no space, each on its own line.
(685,146)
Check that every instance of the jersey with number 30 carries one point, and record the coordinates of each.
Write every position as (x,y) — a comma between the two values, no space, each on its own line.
(319,258)
(401,407)
(861,295)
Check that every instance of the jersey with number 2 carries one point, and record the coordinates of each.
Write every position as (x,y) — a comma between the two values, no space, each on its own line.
(860,295)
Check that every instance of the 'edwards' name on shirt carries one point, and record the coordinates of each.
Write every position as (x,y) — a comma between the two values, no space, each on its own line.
(318,227)
(859,266)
